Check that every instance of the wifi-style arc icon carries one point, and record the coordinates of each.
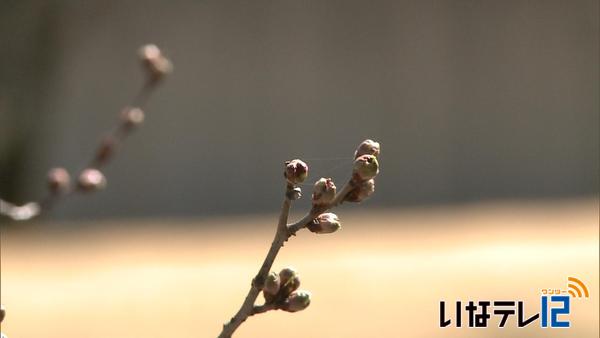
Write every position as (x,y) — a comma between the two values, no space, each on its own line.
(577,289)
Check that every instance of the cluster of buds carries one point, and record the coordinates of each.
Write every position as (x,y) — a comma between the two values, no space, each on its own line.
(366,167)
(362,184)
(156,65)
(89,180)
(281,290)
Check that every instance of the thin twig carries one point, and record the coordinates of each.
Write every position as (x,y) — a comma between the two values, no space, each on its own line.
(157,66)
(117,135)
(283,233)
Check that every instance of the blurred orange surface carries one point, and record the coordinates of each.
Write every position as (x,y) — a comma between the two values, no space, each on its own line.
(382,275)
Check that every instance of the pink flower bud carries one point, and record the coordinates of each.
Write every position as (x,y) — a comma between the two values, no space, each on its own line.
(323,191)
(297,301)
(295,172)
(367,147)
(325,224)
(58,180)
(132,117)
(363,190)
(91,180)
(365,168)
(155,63)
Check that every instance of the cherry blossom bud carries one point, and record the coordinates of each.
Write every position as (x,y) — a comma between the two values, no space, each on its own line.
(132,117)
(58,180)
(286,273)
(289,281)
(366,167)
(295,172)
(367,147)
(323,191)
(297,301)
(271,286)
(155,63)
(363,190)
(325,224)
(91,180)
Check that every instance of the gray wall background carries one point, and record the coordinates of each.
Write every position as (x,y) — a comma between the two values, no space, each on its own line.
(472,100)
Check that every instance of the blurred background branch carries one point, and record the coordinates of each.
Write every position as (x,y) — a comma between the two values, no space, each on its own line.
(156,66)
(476,100)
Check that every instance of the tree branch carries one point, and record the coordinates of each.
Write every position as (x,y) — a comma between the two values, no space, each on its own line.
(283,233)
(156,67)
(247,308)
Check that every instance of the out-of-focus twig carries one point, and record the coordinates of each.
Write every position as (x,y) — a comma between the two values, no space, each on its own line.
(156,66)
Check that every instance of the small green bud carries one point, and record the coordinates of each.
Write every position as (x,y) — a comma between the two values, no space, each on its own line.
(323,191)
(365,168)
(296,171)
(367,147)
(271,284)
(91,180)
(297,301)
(362,191)
(325,224)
